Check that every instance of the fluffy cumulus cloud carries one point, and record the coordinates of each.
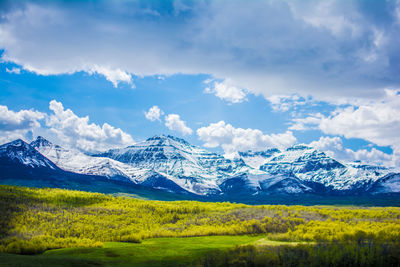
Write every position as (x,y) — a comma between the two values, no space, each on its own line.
(225,91)
(333,146)
(348,48)
(174,123)
(233,139)
(18,124)
(62,126)
(19,120)
(377,122)
(80,133)
(154,114)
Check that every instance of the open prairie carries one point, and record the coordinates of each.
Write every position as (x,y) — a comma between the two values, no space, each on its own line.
(60,227)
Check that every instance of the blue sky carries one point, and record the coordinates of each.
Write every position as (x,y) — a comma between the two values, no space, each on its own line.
(226,75)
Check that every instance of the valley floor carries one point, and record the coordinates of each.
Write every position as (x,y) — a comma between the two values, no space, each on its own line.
(153,252)
(57,227)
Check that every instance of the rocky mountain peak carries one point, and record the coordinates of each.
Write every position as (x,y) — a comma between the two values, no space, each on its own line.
(40,142)
(20,151)
(171,163)
(300,147)
(18,144)
(165,140)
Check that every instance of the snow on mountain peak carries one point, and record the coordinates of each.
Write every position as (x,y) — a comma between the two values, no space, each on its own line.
(173,164)
(311,165)
(16,145)
(19,150)
(40,142)
(191,167)
(167,139)
(76,161)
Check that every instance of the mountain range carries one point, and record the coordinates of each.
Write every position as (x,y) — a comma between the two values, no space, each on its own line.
(166,165)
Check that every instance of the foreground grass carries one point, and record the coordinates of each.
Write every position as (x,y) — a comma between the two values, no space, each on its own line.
(153,252)
(215,251)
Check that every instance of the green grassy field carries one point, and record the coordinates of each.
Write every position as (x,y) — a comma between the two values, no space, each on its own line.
(155,252)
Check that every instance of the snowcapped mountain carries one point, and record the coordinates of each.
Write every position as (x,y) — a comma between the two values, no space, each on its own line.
(192,168)
(20,152)
(171,164)
(21,164)
(311,165)
(175,156)
(388,184)
(78,162)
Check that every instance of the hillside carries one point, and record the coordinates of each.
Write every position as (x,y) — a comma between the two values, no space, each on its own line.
(63,218)
(38,220)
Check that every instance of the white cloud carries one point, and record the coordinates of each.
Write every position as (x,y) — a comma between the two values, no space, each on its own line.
(154,113)
(233,139)
(174,123)
(328,144)
(285,102)
(78,132)
(13,70)
(225,91)
(334,45)
(18,124)
(339,20)
(309,123)
(372,156)
(333,146)
(63,126)
(377,122)
(115,76)
(20,120)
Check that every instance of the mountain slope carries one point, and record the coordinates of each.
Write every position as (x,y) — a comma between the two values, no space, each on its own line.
(21,164)
(20,161)
(388,184)
(311,165)
(19,152)
(192,168)
(78,162)
(172,165)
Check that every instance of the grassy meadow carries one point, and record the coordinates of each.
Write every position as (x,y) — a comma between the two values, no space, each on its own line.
(50,227)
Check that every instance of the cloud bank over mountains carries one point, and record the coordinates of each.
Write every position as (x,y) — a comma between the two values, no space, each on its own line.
(16,124)
(377,121)
(332,50)
(62,125)
(233,139)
